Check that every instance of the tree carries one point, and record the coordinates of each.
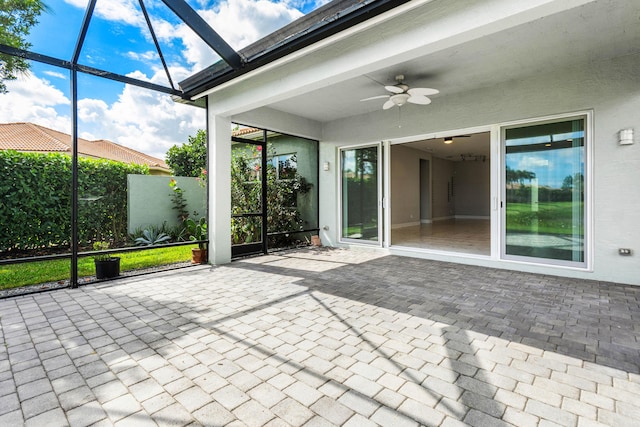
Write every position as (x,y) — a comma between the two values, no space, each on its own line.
(573,182)
(519,176)
(16,19)
(189,159)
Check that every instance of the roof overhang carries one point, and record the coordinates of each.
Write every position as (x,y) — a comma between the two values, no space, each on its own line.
(456,47)
(318,25)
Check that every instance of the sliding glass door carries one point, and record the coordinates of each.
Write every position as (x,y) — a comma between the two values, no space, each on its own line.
(361,189)
(544,192)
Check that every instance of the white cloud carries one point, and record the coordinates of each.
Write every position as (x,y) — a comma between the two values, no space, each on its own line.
(33,99)
(531,162)
(238,22)
(141,119)
(126,11)
(56,75)
(144,56)
(91,110)
(254,19)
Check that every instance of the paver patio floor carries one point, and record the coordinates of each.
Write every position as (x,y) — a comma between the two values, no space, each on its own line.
(324,337)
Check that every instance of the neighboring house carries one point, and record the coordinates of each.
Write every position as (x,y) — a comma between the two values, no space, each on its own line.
(29,137)
(527,158)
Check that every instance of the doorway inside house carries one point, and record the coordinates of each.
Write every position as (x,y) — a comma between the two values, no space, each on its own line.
(441,194)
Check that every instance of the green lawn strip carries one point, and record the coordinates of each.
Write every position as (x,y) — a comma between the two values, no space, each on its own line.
(552,218)
(32,273)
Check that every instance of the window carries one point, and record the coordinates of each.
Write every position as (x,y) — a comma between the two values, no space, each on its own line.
(286,166)
(544,192)
(361,194)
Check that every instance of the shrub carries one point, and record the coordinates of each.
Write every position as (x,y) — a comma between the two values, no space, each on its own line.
(282,196)
(35,190)
(152,236)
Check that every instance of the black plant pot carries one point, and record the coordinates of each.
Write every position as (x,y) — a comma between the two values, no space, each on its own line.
(108,268)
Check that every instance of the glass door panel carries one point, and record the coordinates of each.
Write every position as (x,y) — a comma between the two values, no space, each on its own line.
(544,176)
(361,194)
(246,198)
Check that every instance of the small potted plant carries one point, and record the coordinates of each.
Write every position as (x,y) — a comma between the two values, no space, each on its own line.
(107,266)
(197,232)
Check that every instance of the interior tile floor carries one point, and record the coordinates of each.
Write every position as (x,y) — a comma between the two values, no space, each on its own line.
(324,337)
(471,236)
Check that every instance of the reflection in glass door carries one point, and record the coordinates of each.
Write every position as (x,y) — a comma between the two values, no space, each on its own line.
(247,196)
(361,189)
(544,192)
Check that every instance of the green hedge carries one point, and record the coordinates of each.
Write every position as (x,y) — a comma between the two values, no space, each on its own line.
(35,194)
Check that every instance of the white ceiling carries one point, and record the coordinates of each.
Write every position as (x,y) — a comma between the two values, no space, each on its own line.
(466,147)
(600,30)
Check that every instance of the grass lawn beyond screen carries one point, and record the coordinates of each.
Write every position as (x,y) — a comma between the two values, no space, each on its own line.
(552,218)
(33,273)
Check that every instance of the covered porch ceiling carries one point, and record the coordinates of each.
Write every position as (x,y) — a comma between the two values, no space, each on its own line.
(576,36)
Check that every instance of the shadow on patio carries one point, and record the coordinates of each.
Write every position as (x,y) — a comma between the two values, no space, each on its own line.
(593,321)
(324,336)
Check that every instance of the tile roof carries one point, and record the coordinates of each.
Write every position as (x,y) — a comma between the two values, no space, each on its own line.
(35,138)
(244,131)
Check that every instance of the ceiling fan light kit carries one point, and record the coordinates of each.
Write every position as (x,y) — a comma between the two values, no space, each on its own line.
(401,94)
(398,99)
(449,139)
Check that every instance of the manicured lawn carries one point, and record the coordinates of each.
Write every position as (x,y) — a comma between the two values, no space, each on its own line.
(16,275)
(367,231)
(551,217)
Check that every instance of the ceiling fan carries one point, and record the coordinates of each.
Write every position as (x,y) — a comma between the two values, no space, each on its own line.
(401,94)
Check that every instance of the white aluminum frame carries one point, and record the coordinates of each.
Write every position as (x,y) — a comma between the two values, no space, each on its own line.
(381,169)
(587,264)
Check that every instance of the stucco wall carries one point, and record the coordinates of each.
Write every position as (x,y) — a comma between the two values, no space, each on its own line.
(307,165)
(611,89)
(149,200)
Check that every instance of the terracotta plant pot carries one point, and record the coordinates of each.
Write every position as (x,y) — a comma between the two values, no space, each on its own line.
(198,256)
(315,240)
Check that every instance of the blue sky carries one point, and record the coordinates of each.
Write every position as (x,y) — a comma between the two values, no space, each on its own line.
(552,166)
(118,41)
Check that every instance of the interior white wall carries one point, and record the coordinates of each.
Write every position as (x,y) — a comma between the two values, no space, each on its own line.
(472,196)
(472,188)
(610,88)
(425,190)
(443,205)
(405,185)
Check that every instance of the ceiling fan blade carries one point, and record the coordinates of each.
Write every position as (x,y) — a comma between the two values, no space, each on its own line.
(388,104)
(424,91)
(419,99)
(394,89)
(375,97)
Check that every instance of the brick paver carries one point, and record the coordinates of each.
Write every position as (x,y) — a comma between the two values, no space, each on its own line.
(321,337)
